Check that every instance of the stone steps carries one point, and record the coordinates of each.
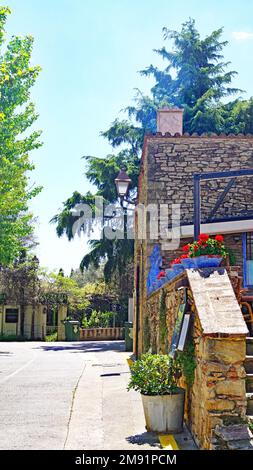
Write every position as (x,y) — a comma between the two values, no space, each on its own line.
(232,437)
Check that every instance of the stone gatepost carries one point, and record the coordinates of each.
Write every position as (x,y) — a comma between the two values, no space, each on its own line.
(218,394)
(62,313)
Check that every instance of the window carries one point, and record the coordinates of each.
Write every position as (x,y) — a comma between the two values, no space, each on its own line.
(11,315)
(248,259)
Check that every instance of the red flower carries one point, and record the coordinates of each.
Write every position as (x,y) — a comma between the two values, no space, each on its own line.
(203,237)
(219,238)
(161,274)
(184,256)
(196,247)
(186,248)
(176,261)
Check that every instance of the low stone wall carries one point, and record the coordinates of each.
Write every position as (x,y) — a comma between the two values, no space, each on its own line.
(218,333)
(103,334)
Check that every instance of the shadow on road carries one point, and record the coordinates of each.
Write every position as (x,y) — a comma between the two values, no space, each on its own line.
(144,438)
(85,346)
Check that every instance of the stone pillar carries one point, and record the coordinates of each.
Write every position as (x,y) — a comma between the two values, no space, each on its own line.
(40,322)
(218,394)
(62,313)
(28,310)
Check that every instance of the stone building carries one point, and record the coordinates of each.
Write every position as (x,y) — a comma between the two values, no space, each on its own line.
(177,171)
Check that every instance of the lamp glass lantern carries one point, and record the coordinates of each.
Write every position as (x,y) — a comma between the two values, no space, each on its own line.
(122,183)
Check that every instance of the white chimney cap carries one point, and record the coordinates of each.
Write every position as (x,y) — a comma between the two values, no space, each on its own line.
(170,120)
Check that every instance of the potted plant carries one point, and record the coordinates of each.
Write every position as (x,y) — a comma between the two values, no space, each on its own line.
(155,376)
(206,252)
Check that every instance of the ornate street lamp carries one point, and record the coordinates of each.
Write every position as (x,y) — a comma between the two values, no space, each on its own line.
(122,183)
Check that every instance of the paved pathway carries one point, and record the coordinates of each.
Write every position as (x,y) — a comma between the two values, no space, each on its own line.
(69,396)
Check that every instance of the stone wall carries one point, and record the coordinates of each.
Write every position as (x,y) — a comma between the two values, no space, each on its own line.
(217,395)
(172,162)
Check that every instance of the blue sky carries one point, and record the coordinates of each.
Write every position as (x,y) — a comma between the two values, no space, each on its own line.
(90,52)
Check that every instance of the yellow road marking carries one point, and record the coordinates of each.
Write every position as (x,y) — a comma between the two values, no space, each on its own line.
(168,442)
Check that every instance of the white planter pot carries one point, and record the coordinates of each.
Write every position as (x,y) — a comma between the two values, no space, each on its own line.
(164,413)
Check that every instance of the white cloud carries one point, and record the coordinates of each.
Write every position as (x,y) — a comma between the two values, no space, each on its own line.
(242,35)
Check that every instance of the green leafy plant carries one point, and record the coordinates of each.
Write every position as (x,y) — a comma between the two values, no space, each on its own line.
(102,320)
(154,374)
(187,363)
(51,338)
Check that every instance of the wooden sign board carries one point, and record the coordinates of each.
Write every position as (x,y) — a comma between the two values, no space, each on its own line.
(178,325)
(184,331)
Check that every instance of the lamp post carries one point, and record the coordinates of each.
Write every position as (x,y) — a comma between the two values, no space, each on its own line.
(122,183)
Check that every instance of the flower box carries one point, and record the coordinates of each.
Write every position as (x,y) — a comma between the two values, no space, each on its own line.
(205,261)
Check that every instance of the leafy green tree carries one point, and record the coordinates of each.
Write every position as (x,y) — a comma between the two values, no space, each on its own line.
(195,77)
(17,114)
(88,275)
(78,296)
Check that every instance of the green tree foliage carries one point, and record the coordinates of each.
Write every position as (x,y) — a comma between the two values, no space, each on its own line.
(79,293)
(196,78)
(17,114)
(88,275)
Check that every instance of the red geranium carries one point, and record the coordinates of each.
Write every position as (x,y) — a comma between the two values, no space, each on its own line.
(186,248)
(176,261)
(184,256)
(161,274)
(203,237)
(219,238)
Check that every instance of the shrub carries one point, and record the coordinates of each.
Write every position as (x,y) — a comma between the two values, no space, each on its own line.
(154,374)
(102,319)
(52,337)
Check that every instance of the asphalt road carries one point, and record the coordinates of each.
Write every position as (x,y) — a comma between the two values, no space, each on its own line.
(68,396)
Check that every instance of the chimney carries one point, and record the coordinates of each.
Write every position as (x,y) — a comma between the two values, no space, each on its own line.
(170,120)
